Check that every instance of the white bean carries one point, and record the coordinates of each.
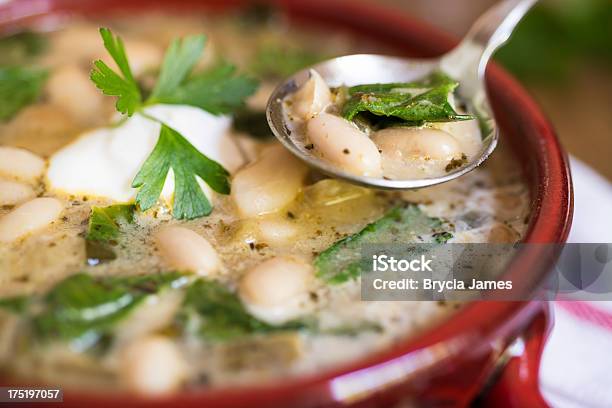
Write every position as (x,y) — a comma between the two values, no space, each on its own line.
(70,88)
(29,217)
(42,128)
(185,249)
(12,193)
(153,366)
(276,231)
(416,143)
(79,42)
(274,290)
(340,142)
(312,98)
(20,164)
(269,184)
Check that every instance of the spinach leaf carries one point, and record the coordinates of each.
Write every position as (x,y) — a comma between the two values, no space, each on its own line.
(82,309)
(19,86)
(433,80)
(407,224)
(217,314)
(412,102)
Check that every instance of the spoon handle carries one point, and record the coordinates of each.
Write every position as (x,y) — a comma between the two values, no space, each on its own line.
(488,33)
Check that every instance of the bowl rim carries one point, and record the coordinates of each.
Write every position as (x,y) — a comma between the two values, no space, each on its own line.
(550,214)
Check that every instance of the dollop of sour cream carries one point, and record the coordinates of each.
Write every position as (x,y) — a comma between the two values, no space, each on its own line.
(103,162)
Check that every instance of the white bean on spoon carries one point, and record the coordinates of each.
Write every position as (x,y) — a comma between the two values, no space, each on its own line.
(416,143)
(312,98)
(342,143)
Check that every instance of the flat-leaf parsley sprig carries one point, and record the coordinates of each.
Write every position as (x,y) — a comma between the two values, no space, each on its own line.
(218,90)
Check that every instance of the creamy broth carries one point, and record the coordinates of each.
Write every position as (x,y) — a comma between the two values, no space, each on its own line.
(280,216)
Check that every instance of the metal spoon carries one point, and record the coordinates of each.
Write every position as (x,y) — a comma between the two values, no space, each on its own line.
(466,63)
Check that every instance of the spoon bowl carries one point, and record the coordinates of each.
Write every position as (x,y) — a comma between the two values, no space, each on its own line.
(466,63)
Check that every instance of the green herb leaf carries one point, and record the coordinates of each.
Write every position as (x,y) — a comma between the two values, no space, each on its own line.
(82,309)
(17,48)
(111,83)
(442,237)
(433,80)
(105,222)
(173,151)
(16,304)
(413,102)
(19,86)
(180,58)
(217,90)
(217,314)
(342,261)
(104,230)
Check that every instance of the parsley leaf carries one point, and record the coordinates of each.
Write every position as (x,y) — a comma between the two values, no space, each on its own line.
(217,90)
(105,222)
(342,261)
(19,86)
(179,60)
(173,151)
(110,82)
(413,102)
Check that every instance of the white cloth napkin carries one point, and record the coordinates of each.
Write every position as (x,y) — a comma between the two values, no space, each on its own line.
(576,370)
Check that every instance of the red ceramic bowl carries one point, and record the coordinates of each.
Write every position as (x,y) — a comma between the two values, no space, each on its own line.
(450,364)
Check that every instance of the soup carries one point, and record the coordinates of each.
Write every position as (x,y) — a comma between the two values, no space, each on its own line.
(157,238)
